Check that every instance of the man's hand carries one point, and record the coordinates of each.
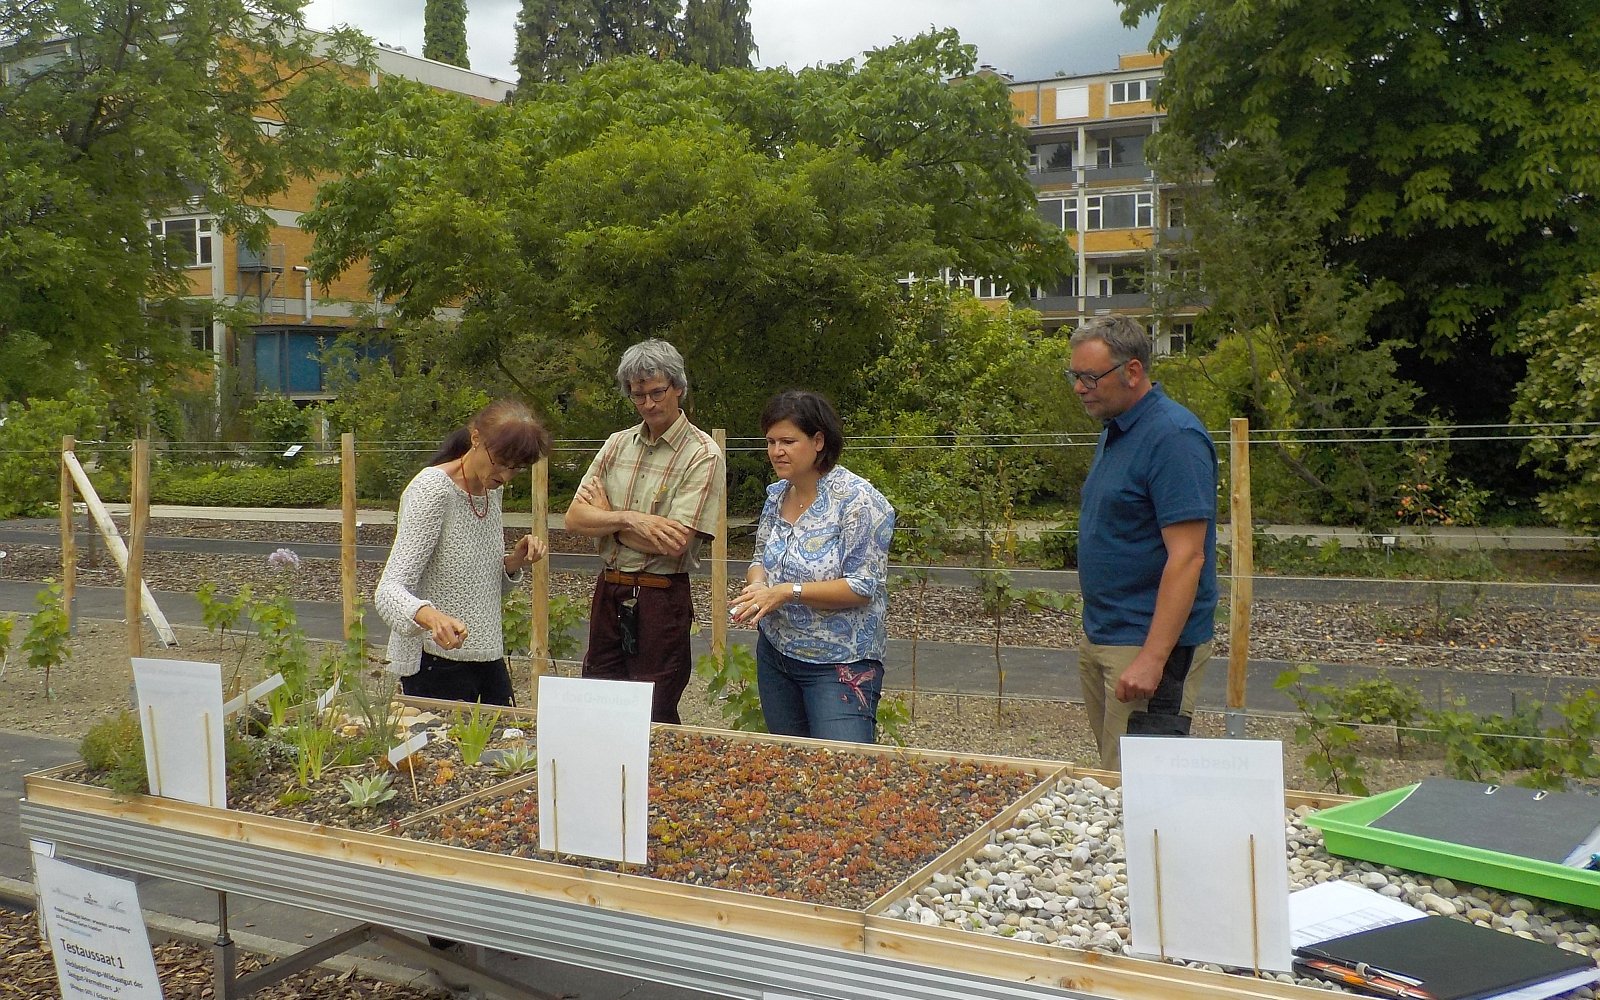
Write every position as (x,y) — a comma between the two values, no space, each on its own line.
(448,632)
(1140,679)
(528,551)
(662,534)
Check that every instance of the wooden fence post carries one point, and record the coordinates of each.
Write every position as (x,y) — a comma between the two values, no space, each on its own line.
(347,531)
(1241,589)
(539,579)
(138,514)
(69,540)
(719,564)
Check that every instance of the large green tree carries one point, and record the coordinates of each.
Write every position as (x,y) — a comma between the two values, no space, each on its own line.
(444,31)
(557,39)
(1563,389)
(761,220)
(1446,146)
(716,34)
(114,114)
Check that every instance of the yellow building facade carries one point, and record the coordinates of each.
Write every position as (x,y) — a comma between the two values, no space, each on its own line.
(1086,142)
(291,318)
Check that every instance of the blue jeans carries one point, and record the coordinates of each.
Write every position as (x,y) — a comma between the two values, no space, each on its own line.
(826,701)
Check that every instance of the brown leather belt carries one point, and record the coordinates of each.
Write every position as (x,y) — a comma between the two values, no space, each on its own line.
(637,579)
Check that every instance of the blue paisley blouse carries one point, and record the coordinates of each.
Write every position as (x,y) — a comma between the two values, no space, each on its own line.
(844,534)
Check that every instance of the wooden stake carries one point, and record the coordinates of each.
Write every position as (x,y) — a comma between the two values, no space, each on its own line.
(1255,913)
(411,769)
(155,750)
(719,566)
(69,540)
(539,580)
(138,513)
(624,817)
(555,820)
(205,729)
(1241,589)
(1161,920)
(347,531)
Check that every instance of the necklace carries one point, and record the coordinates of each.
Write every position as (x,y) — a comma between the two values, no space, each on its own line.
(472,501)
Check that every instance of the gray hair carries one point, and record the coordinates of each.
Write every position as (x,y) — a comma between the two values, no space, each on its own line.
(650,358)
(1125,336)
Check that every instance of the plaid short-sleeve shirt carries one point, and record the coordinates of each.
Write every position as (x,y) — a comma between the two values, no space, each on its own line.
(681,475)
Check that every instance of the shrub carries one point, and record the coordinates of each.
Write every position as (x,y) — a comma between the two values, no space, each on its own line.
(308,486)
(277,423)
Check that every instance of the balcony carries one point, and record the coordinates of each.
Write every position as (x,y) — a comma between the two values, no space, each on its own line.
(1119,172)
(1127,300)
(1053,178)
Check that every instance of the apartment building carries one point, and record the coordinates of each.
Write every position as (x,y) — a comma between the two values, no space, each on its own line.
(292,319)
(1086,142)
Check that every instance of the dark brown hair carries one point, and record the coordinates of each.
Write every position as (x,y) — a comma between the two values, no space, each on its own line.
(813,414)
(513,435)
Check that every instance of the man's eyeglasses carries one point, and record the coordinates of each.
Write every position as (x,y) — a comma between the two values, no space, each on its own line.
(654,395)
(1090,381)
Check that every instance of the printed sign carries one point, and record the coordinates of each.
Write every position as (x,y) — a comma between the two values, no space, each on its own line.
(594,767)
(180,710)
(97,933)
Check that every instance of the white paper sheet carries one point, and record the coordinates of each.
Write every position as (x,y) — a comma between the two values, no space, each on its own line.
(1203,801)
(180,710)
(594,767)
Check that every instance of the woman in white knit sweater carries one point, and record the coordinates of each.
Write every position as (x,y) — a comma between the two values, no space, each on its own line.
(441,589)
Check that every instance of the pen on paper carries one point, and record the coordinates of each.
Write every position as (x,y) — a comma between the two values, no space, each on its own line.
(1372,980)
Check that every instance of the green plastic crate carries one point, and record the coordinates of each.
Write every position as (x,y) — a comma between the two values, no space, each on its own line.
(1346,832)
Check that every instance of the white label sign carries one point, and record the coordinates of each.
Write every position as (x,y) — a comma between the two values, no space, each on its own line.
(1203,831)
(97,934)
(326,697)
(256,693)
(180,709)
(594,767)
(409,747)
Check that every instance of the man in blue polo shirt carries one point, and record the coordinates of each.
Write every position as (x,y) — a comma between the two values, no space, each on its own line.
(1147,543)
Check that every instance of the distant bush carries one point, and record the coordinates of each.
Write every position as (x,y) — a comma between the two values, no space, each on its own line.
(310,486)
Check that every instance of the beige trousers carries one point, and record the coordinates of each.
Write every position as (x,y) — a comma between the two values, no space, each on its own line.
(1099,668)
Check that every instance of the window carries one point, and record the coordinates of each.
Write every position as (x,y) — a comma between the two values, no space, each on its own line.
(201,337)
(188,241)
(1129,91)
(1072,102)
(1120,279)
(1178,337)
(1119,211)
(1120,151)
(1066,288)
(1175,212)
(1052,211)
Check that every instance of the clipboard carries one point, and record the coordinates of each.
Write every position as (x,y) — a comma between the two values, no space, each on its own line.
(1559,827)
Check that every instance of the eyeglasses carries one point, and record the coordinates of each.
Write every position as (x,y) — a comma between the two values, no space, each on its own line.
(654,395)
(1090,381)
(494,463)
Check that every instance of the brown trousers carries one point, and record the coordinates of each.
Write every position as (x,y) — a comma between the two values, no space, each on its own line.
(666,615)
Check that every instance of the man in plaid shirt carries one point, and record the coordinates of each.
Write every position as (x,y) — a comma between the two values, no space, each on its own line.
(651,498)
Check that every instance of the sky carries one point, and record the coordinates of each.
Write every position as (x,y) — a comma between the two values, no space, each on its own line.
(1030,39)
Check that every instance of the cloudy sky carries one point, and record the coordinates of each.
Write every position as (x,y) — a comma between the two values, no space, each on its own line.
(1029,39)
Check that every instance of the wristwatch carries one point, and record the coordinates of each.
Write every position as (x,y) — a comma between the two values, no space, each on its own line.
(797,590)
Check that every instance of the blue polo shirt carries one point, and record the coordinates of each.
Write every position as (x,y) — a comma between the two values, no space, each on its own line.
(1155,465)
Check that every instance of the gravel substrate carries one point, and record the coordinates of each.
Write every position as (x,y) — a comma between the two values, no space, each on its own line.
(1058,878)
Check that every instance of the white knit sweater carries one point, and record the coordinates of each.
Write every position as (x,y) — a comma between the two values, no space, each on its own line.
(446,556)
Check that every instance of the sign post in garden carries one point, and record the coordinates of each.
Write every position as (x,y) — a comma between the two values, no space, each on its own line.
(1242,579)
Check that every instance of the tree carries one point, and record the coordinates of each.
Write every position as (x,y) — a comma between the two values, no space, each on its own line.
(758,219)
(444,31)
(114,114)
(1445,147)
(1288,334)
(716,34)
(558,39)
(1563,388)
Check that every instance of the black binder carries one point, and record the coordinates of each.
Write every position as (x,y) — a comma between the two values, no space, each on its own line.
(1546,826)
(1450,959)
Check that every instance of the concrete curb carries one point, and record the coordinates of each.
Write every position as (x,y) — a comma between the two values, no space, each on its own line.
(165,927)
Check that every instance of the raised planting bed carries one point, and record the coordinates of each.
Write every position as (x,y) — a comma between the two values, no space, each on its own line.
(803,821)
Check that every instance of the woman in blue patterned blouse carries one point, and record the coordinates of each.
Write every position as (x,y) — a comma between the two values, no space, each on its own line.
(818,586)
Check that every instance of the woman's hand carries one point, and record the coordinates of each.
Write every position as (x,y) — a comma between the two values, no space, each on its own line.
(528,551)
(448,632)
(757,600)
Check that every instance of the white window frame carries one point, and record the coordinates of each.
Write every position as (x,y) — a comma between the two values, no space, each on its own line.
(1131,91)
(201,245)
